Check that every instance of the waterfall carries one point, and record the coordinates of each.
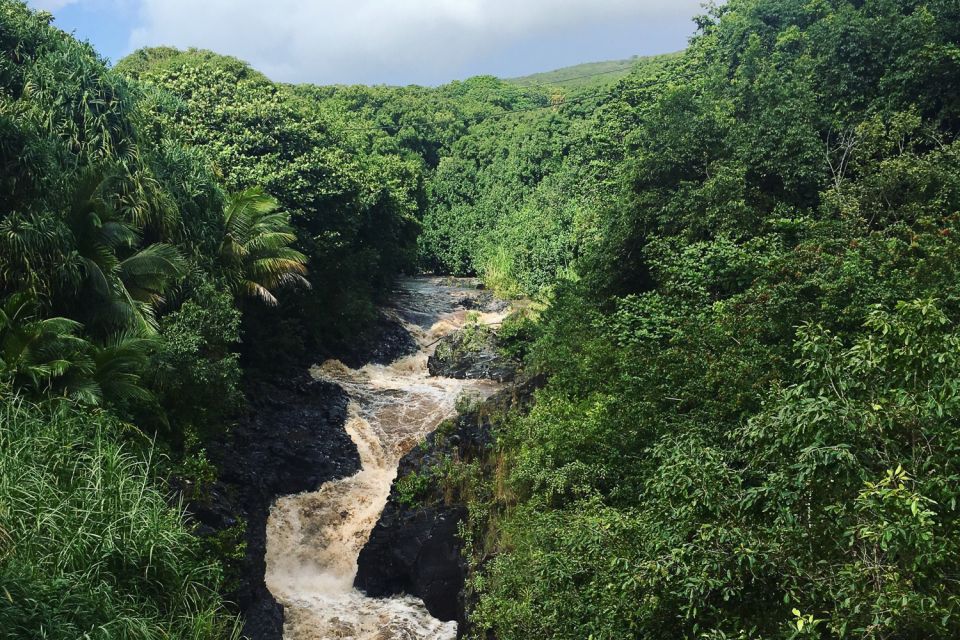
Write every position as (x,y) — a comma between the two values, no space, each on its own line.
(314,539)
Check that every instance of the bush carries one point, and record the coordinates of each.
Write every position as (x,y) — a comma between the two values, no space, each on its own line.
(412,488)
(517,335)
(195,372)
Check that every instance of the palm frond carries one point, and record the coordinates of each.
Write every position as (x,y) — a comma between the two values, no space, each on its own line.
(255,251)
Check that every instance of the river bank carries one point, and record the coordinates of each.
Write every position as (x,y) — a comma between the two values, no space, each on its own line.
(417,547)
(311,467)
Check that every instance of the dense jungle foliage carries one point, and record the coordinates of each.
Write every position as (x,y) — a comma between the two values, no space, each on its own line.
(167,227)
(750,430)
(746,256)
(115,310)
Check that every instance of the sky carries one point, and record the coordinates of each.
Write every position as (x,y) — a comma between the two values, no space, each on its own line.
(426,42)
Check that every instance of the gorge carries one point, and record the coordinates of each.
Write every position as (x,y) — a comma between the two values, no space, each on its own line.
(686,365)
(313,539)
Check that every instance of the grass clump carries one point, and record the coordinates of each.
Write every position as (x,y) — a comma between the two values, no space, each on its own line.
(89,546)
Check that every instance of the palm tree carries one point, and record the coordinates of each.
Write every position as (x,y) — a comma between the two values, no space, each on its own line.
(35,353)
(47,356)
(118,363)
(121,283)
(256,250)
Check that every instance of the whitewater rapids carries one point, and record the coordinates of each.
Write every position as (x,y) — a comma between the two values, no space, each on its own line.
(314,539)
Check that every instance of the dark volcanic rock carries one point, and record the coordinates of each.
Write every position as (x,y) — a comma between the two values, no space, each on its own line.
(415,548)
(291,440)
(471,353)
(386,342)
(416,551)
(484,301)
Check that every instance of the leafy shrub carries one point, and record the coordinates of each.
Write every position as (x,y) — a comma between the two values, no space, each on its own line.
(195,370)
(412,488)
(517,335)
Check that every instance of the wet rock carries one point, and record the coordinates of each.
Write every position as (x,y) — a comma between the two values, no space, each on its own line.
(423,559)
(495,305)
(470,303)
(483,301)
(472,353)
(388,340)
(415,549)
(291,440)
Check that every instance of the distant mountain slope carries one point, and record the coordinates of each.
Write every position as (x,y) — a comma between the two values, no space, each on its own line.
(589,74)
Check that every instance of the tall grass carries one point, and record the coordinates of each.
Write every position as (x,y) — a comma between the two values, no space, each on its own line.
(498,273)
(89,546)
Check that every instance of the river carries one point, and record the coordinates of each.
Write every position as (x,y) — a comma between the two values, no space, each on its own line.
(314,539)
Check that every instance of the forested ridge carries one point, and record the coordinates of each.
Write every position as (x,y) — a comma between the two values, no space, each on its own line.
(742,261)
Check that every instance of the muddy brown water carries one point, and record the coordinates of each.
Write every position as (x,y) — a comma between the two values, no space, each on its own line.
(314,539)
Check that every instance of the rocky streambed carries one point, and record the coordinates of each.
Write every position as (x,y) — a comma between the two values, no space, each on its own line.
(290,440)
(332,551)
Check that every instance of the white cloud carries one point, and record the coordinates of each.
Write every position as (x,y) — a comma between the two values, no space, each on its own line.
(366,40)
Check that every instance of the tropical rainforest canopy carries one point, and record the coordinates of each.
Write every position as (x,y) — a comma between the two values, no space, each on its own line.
(746,256)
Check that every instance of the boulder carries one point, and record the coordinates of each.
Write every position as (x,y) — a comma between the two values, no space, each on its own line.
(472,353)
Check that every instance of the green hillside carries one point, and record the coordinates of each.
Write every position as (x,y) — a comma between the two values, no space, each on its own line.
(590,74)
